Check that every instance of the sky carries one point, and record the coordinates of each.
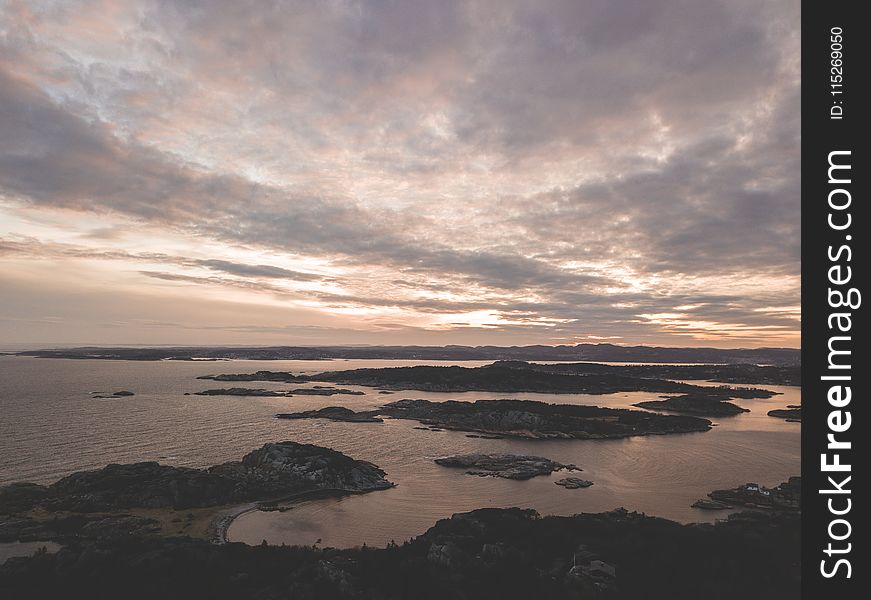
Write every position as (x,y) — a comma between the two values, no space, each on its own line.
(410,172)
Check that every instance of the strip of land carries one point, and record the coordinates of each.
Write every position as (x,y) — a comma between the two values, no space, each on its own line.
(578,352)
(526,419)
(500,378)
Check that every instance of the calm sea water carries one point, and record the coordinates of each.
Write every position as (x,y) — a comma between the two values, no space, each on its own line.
(51,426)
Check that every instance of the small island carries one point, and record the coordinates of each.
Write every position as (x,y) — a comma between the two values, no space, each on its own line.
(784,497)
(506,466)
(334,413)
(573,483)
(710,405)
(118,394)
(236,391)
(792,413)
(312,391)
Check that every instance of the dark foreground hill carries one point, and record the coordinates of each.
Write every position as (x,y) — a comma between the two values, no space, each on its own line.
(485,554)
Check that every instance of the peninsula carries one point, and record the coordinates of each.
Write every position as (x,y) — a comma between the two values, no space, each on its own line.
(158,496)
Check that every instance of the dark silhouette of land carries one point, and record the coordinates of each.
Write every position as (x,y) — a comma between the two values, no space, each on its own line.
(578,352)
(484,554)
(526,419)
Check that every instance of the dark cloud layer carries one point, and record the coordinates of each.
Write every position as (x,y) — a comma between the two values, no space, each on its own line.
(571,168)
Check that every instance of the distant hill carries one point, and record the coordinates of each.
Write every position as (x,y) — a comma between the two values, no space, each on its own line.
(579,352)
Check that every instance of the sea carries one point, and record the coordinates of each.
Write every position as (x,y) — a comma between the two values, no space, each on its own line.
(51,425)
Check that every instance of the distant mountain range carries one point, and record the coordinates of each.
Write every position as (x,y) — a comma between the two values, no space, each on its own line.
(579,352)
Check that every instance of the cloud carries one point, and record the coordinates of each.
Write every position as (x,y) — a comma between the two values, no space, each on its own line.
(579,165)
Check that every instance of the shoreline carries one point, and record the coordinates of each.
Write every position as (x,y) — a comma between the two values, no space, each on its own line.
(221,523)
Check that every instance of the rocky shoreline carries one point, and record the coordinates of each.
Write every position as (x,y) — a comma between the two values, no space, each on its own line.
(505,466)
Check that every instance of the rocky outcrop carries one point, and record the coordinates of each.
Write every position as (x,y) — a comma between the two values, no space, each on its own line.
(506,466)
(790,414)
(323,390)
(288,467)
(334,413)
(258,376)
(573,483)
(694,404)
(276,469)
(236,391)
(118,394)
(312,391)
(785,497)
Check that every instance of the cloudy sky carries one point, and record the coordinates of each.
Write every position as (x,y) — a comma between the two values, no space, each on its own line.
(368,171)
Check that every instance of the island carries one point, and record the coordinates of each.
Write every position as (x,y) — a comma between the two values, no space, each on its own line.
(709,405)
(792,413)
(236,391)
(526,419)
(506,466)
(119,394)
(334,413)
(784,497)
(279,376)
(312,391)
(573,483)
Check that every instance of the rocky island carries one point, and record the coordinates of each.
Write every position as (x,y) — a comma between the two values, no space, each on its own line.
(334,413)
(791,413)
(312,391)
(708,405)
(784,497)
(279,376)
(573,483)
(237,391)
(527,419)
(506,466)
(119,394)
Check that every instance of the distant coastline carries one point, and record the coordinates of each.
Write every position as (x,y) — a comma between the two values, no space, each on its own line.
(578,352)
